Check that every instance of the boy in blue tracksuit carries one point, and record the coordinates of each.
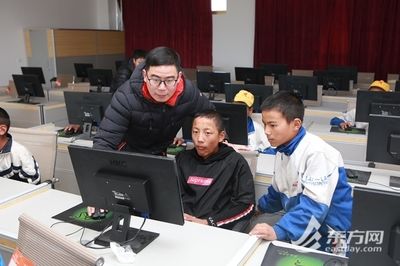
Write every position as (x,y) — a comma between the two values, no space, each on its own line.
(309,184)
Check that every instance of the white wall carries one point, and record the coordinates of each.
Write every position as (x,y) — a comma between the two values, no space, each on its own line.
(15,15)
(233,36)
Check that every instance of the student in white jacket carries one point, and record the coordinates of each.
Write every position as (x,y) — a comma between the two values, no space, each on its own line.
(16,162)
(349,118)
(309,188)
(257,140)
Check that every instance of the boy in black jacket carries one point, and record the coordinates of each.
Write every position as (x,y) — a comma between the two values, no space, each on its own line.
(216,181)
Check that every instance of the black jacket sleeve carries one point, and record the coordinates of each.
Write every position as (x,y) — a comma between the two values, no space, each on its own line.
(115,123)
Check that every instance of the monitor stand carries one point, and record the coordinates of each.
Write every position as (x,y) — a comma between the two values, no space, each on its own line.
(123,234)
(25,100)
(87,131)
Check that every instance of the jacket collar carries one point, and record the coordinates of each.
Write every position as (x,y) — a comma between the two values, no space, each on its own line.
(291,146)
(7,147)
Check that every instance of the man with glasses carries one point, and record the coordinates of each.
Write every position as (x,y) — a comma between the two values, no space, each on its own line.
(147,112)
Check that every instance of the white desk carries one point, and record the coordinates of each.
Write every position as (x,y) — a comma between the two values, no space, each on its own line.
(30,115)
(12,190)
(190,244)
(353,147)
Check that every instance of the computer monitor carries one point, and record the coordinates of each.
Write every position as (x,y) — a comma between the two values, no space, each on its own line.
(250,75)
(81,70)
(376,102)
(100,78)
(383,143)
(124,183)
(260,92)
(275,70)
(350,71)
(307,87)
(375,234)
(86,109)
(212,82)
(234,116)
(397,86)
(334,80)
(38,71)
(28,86)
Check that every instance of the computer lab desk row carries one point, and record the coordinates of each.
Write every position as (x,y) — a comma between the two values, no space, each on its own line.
(30,115)
(190,244)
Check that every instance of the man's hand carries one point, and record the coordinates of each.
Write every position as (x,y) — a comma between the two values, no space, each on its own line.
(74,127)
(191,218)
(264,231)
(178,141)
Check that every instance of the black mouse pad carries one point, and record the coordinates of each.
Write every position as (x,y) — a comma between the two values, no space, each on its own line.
(78,215)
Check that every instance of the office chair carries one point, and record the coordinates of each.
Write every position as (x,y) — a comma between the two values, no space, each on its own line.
(44,246)
(43,145)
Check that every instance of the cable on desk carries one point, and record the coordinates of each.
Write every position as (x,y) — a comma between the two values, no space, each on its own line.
(94,239)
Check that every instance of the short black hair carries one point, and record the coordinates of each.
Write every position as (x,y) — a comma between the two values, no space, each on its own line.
(138,53)
(287,102)
(213,115)
(162,56)
(4,118)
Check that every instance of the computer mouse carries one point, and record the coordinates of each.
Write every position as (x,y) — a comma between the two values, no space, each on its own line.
(98,214)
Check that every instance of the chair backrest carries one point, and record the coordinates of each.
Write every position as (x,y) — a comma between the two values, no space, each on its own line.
(302,72)
(43,146)
(44,246)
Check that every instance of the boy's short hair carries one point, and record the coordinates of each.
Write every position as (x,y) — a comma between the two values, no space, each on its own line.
(287,102)
(214,115)
(4,118)
(162,56)
(138,53)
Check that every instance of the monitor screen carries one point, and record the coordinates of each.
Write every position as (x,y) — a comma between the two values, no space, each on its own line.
(250,75)
(28,86)
(350,71)
(397,86)
(81,70)
(38,71)
(260,92)
(233,115)
(375,234)
(212,81)
(275,70)
(100,77)
(334,80)
(86,109)
(307,87)
(376,102)
(124,183)
(383,143)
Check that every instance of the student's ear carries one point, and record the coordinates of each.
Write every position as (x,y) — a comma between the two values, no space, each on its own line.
(297,123)
(221,136)
(3,130)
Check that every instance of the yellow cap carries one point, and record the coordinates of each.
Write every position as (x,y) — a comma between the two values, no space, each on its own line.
(380,84)
(244,97)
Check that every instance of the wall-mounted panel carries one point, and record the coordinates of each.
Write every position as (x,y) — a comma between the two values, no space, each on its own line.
(110,42)
(75,42)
